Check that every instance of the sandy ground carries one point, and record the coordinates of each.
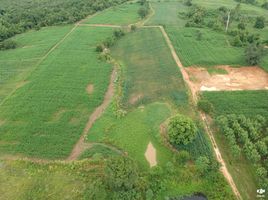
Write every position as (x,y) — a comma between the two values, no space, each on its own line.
(243,78)
(150,155)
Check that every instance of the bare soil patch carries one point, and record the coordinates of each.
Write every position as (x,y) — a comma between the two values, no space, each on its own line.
(134,98)
(243,78)
(90,88)
(150,155)
(2,122)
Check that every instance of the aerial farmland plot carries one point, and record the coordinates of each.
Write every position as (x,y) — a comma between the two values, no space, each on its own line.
(132,100)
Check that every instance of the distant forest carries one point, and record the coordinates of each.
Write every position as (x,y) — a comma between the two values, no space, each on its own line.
(18,16)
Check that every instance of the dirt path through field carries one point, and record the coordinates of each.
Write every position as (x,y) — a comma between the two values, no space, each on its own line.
(194,93)
(81,145)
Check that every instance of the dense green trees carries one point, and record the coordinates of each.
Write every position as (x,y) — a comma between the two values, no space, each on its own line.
(181,130)
(18,16)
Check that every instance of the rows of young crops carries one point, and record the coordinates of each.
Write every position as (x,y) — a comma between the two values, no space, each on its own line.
(46,117)
(249,103)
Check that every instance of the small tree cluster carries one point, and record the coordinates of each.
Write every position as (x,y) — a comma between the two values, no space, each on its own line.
(110,41)
(196,16)
(144,10)
(260,22)
(248,135)
(254,54)
(181,130)
(8,44)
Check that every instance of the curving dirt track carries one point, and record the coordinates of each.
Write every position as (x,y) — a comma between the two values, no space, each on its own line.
(81,145)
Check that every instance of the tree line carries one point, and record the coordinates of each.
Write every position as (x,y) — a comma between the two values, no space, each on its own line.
(18,16)
(248,136)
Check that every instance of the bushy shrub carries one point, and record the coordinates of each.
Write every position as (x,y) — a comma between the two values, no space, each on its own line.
(205,106)
(253,54)
(8,44)
(260,23)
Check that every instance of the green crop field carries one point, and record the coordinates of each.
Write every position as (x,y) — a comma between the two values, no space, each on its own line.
(32,46)
(120,15)
(215,47)
(212,50)
(249,103)
(46,117)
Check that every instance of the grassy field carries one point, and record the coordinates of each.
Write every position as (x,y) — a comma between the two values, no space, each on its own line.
(149,69)
(162,18)
(212,50)
(23,180)
(32,46)
(120,15)
(134,131)
(46,117)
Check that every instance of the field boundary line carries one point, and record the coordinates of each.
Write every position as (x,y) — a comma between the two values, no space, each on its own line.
(186,78)
(80,146)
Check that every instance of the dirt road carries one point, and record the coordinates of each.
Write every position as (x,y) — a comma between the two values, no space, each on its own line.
(81,145)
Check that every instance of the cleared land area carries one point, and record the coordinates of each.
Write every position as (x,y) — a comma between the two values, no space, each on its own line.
(46,117)
(227,78)
(18,63)
(120,15)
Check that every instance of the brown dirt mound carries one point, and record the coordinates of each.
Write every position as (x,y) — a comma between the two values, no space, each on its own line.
(243,78)
(90,89)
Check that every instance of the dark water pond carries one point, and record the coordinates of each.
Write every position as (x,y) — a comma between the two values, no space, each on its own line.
(195,197)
